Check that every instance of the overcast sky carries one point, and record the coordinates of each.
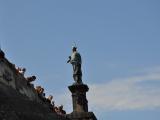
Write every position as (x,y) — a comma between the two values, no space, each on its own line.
(119,41)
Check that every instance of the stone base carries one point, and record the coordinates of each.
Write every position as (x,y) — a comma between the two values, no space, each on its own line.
(81,88)
(80,102)
(82,116)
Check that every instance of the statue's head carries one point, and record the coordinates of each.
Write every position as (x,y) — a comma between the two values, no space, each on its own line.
(74,49)
(50,97)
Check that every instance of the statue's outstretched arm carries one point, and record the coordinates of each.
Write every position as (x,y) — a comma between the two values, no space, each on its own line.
(69,59)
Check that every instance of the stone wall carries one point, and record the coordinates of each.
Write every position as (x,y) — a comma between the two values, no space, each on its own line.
(18,100)
(10,77)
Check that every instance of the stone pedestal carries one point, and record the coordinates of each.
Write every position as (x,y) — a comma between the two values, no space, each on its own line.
(80,103)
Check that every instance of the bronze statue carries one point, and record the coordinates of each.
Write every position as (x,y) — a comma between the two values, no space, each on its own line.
(75,60)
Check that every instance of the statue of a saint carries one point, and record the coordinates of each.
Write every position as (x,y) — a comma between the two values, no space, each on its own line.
(75,60)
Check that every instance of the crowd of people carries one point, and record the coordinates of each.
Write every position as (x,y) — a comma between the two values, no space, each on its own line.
(39,90)
(49,100)
(41,94)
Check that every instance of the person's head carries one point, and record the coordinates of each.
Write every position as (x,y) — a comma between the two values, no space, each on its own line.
(38,87)
(74,49)
(24,69)
(56,109)
(41,90)
(61,107)
(33,77)
(50,97)
(53,103)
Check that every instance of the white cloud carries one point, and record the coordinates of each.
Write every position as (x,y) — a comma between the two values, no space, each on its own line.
(126,94)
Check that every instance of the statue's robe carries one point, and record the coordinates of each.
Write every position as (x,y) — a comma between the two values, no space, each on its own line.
(76,63)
